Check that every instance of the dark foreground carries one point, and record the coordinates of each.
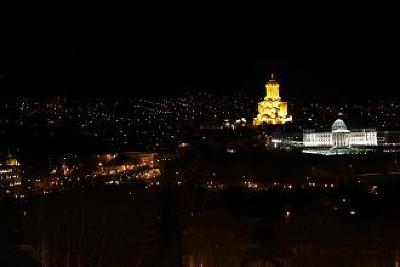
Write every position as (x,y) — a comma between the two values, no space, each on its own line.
(191,225)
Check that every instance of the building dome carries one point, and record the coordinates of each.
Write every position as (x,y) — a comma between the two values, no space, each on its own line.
(272,81)
(339,125)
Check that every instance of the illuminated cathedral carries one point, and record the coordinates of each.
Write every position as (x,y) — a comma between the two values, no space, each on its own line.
(272,110)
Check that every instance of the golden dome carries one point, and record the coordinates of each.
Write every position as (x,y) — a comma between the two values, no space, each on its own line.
(272,81)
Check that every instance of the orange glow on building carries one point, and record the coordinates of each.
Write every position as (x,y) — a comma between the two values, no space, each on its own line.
(272,110)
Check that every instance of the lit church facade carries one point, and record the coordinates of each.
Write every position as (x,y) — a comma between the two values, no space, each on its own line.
(272,110)
(340,137)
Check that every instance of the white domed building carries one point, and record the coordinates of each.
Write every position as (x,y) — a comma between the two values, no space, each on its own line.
(340,137)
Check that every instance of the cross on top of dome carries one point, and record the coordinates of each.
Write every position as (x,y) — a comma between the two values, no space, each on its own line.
(272,80)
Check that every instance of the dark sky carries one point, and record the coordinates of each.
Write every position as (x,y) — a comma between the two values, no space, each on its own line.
(333,50)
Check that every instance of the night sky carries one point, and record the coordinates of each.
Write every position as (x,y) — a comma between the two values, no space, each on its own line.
(345,51)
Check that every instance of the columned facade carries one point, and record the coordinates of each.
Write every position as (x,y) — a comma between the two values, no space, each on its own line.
(340,137)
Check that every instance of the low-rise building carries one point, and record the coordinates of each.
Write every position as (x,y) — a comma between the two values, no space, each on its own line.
(340,137)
